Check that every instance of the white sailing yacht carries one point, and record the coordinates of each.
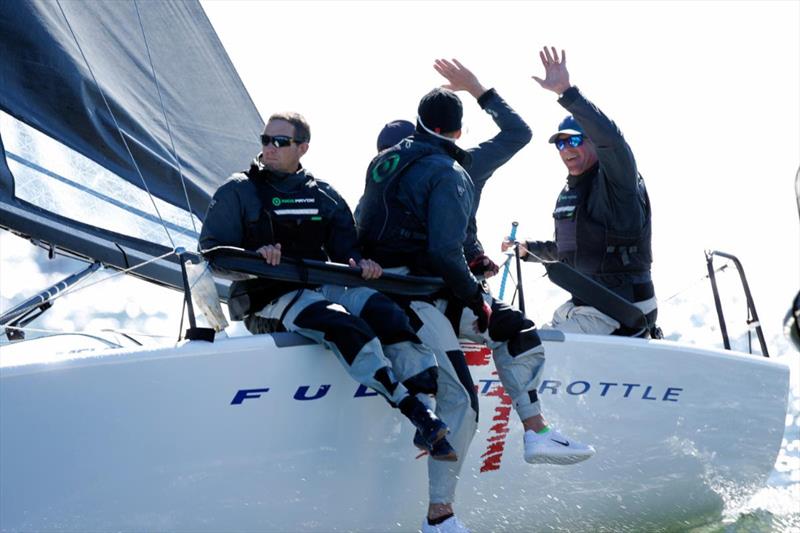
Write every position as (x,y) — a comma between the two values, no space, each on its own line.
(118,120)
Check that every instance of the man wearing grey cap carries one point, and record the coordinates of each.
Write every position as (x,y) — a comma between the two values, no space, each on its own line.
(602,216)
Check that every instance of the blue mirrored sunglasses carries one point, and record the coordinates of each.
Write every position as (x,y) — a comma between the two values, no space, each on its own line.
(573,140)
(278,141)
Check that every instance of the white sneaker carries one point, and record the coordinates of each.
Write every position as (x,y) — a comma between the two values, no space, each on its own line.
(554,448)
(451,525)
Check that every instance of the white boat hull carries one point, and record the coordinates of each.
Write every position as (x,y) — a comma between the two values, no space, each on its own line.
(189,439)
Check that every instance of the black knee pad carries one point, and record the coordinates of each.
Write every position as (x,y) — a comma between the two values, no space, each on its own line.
(389,322)
(383,377)
(525,340)
(424,382)
(347,332)
(506,322)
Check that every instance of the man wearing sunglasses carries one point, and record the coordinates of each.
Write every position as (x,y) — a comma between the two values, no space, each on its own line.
(278,208)
(602,216)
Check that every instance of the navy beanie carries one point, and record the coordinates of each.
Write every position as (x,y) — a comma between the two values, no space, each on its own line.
(394,132)
(440,111)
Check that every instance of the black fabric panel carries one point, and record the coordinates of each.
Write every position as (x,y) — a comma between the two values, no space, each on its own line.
(533,395)
(506,322)
(424,382)
(347,332)
(382,377)
(525,340)
(387,320)
(459,363)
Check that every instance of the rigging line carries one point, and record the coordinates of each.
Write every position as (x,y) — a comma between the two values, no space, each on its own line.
(114,118)
(164,112)
(80,287)
(722,269)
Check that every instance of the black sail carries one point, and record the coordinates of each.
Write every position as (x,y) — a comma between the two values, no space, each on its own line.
(118,120)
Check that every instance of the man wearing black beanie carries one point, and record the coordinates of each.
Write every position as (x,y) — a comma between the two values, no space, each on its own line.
(418,207)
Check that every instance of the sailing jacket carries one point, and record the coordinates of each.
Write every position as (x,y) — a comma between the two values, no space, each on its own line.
(490,155)
(415,209)
(306,216)
(602,217)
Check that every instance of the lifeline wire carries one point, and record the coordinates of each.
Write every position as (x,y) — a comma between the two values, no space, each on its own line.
(89,332)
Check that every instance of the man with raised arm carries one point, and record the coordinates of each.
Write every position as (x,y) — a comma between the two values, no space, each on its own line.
(602,215)
(418,205)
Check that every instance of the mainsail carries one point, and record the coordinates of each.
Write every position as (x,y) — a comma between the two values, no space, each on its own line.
(118,120)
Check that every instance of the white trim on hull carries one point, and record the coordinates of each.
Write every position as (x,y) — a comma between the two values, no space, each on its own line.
(187,438)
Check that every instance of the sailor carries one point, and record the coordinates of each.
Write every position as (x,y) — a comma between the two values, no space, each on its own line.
(277,207)
(415,215)
(602,215)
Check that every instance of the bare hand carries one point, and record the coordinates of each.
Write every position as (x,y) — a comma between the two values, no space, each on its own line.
(270,253)
(556,75)
(510,243)
(369,268)
(459,76)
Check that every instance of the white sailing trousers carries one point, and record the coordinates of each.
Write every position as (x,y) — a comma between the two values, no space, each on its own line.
(310,314)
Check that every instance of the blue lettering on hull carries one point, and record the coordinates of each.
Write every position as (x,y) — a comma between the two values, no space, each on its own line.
(602,389)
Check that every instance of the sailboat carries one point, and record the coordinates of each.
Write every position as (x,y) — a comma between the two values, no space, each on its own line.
(118,120)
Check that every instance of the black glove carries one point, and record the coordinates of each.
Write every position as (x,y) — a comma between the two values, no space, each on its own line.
(482,265)
(481,309)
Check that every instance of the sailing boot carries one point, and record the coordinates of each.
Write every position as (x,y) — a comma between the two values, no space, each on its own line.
(431,429)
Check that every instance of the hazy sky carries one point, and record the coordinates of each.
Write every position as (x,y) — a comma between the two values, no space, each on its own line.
(706,93)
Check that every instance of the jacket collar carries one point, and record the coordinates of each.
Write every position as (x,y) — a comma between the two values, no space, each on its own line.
(574,181)
(258,170)
(447,146)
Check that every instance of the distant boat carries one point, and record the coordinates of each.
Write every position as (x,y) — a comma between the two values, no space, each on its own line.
(118,120)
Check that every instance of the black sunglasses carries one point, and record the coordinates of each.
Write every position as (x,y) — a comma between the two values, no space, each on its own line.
(573,140)
(278,141)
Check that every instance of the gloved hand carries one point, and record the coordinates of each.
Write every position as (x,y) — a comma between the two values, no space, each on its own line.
(483,266)
(481,309)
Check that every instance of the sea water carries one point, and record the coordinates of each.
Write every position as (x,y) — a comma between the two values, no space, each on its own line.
(776,507)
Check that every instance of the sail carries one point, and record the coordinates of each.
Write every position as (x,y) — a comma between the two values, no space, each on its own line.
(118,121)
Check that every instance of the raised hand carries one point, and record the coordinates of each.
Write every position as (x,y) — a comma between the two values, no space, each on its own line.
(556,77)
(459,76)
